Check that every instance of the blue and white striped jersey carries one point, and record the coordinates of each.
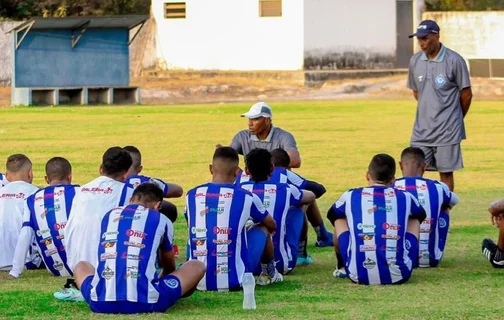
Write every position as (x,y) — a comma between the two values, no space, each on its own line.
(44,220)
(127,254)
(377,219)
(277,198)
(216,216)
(279,175)
(3,180)
(433,196)
(135,181)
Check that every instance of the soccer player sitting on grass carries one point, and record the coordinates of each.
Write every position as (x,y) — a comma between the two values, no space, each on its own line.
(217,214)
(375,227)
(125,280)
(12,201)
(90,203)
(170,190)
(45,216)
(281,173)
(436,199)
(283,201)
(495,252)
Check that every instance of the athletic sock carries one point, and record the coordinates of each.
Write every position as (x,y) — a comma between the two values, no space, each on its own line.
(341,264)
(269,268)
(302,248)
(320,231)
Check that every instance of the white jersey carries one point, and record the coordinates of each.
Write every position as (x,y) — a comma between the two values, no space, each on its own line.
(90,204)
(12,204)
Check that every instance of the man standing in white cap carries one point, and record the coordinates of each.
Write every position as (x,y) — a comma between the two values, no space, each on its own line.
(263,135)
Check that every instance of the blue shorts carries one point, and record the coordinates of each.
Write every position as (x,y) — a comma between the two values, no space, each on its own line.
(169,288)
(256,242)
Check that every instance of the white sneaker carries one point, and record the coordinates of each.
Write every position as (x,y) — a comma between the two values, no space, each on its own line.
(264,279)
(340,273)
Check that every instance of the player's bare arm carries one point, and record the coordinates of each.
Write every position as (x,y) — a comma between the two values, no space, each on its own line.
(295,159)
(465,100)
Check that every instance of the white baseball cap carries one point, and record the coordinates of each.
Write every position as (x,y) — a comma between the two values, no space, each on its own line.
(260,109)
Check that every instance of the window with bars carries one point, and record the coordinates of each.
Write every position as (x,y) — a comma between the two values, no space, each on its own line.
(270,8)
(175,10)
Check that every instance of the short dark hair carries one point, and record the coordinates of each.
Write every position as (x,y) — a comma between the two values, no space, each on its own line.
(228,159)
(116,161)
(280,158)
(258,163)
(148,192)
(17,162)
(382,168)
(227,153)
(413,154)
(58,168)
(136,156)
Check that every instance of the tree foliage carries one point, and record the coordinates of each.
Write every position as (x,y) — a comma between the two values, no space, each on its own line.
(23,9)
(464,5)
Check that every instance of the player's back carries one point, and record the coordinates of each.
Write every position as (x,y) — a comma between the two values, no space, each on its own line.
(282,175)
(277,198)
(433,196)
(12,201)
(49,209)
(216,216)
(128,252)
(135,181)
(90,203)
(3,180)
(242,177)
(377,218)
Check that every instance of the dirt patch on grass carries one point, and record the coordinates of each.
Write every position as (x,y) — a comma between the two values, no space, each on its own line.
(193,87)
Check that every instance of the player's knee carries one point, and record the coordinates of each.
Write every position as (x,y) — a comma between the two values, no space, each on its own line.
(197,268)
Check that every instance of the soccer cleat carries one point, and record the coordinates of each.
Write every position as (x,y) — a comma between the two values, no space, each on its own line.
(492,253)
(340,273)
(264,279)
(325,242)
(489,248)
(304,261)
(69,292)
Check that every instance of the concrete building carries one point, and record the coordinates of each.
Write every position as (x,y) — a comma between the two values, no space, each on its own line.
(283,34)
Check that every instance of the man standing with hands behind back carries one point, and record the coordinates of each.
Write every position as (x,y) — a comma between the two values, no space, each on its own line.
(440,82)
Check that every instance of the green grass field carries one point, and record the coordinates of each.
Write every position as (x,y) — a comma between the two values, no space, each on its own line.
(336,141)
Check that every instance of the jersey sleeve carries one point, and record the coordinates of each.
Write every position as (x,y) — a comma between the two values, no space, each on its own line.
(411,75)
(257,210)
(288,142)
(461,73)
(416,211)
(296,180)
(162,185)
(166,243)
(26,238)
(295,196)
(338,209)
(450,199)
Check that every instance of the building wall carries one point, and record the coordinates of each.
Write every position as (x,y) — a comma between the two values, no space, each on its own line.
(46,59)
(230,35)
(6,52)
(359,34)
(474,35)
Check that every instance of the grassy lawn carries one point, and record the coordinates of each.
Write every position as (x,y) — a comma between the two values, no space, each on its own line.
(336,141)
